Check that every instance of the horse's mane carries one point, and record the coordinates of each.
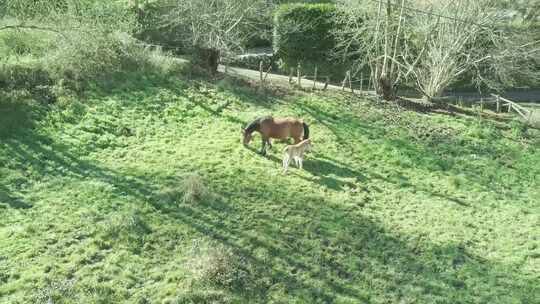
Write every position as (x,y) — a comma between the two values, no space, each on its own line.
(256,124)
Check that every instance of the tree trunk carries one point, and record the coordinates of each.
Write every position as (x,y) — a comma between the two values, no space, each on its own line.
(385,88)
(208,59)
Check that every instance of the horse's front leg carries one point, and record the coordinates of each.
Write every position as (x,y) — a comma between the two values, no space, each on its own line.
(263,148)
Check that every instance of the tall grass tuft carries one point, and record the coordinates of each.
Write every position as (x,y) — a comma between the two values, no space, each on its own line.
(193,188)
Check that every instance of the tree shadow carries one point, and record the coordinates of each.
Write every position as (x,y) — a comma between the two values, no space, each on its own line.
(338,254)
(11,201)
(424,154)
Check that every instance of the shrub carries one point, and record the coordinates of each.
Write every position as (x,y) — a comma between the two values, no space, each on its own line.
(23,75)
(214,263)
(534,119)
(303,33)
(83,42)
(29,77)
(87,55)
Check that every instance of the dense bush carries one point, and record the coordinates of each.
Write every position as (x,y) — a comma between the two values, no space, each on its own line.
(73,47)
(303,33)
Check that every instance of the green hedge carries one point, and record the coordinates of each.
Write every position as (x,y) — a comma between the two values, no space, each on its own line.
(303,34)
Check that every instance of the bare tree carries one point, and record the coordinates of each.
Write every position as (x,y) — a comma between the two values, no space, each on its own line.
(370,35)
(215,27)
(464,37)
(432,44)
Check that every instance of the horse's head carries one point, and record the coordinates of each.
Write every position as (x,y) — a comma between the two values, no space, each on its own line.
(247,136)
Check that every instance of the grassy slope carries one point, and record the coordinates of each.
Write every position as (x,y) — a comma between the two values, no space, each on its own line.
(391,208)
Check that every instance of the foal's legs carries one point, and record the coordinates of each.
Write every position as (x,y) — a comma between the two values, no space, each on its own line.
(269,142)
(286,161)
(298,162)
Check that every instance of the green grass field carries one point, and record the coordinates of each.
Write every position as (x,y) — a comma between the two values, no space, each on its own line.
(101,201)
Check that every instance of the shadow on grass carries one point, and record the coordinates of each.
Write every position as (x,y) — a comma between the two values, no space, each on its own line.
(11,201)
(420,155)
(338,254)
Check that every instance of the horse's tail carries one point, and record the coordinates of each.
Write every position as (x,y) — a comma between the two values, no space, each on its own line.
(306,130)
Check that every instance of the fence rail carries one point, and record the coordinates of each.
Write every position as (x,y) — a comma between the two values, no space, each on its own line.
(522,111)
(348,81)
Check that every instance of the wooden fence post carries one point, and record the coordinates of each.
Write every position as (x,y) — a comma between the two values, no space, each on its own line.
(261,74)
(361,82)
(509,107)
(498,104)
(291,72)
(326,83)
(315,78)
(261,70)
(299,74)
(481,104)
(350,82)
(344,81)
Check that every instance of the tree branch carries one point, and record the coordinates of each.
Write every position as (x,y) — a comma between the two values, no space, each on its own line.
(30,27)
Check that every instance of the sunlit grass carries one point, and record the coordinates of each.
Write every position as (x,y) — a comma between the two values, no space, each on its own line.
(146,195)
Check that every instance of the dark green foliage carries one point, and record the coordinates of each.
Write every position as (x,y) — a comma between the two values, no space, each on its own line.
(303,35)
(21,76)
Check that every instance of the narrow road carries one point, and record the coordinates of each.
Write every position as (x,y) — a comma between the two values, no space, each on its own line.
(276,78)
(525,95)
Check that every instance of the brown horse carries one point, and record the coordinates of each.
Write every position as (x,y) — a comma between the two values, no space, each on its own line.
(278,128)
